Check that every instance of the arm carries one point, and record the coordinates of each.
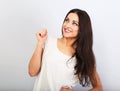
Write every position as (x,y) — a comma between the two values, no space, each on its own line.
(98,86)
(35,61)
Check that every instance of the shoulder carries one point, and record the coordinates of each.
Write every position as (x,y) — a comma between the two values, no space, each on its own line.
(50,40)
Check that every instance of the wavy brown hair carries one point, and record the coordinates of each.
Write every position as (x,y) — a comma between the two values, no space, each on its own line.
(85,64)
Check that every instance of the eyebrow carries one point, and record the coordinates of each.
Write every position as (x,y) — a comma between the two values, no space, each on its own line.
(73,20)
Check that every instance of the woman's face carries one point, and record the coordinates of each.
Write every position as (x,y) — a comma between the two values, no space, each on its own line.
(71,26)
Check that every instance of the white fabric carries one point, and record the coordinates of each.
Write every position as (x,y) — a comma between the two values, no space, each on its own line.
(56,70)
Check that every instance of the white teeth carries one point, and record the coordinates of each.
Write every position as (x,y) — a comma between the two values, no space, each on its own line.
(67,31)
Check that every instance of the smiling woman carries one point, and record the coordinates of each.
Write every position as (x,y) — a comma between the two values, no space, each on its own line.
(71,25)
(72,60)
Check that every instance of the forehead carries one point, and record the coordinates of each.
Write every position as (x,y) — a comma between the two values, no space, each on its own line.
(73,16)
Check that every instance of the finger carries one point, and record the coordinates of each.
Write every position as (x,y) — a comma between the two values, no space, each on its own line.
(38,34)
(65,87)
(43,33)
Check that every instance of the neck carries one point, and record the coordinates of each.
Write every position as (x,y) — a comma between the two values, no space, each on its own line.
(68,41)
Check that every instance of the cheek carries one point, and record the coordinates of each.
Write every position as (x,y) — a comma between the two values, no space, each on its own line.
(62,28)
(76,31)
(63,25)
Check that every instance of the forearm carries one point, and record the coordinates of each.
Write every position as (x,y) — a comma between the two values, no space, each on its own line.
(35,61)
(96,89)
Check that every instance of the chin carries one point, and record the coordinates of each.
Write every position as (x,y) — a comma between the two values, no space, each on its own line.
(68,36)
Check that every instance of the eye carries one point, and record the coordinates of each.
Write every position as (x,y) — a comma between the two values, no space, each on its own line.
(74,23)
(66,20)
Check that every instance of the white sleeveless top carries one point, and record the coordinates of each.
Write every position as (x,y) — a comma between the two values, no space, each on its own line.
(56,70)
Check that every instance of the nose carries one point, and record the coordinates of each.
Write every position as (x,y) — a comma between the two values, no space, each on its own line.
(69,24)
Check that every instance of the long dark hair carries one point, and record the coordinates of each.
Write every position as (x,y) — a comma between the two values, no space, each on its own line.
(85,63)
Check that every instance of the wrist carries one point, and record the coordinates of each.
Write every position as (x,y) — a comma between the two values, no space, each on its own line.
(41,45)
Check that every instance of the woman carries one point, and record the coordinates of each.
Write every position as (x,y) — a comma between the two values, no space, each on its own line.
(61,63)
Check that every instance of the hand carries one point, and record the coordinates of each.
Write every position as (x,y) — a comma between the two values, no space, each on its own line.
(66,88)
(41,36)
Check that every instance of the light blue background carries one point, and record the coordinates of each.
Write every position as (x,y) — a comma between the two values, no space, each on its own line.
(21,19)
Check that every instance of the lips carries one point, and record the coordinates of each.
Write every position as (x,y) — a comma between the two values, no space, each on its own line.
(67,30)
